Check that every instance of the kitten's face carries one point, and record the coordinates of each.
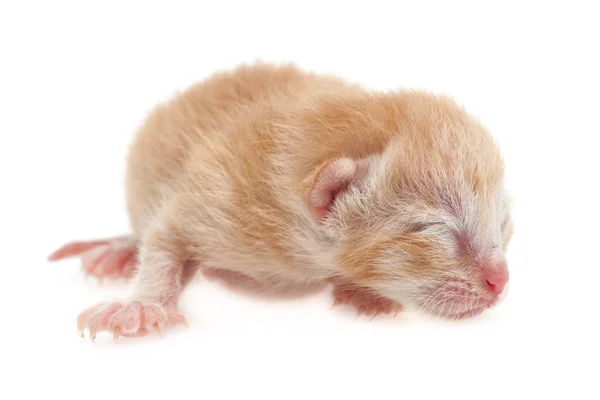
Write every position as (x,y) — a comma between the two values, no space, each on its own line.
(429,232)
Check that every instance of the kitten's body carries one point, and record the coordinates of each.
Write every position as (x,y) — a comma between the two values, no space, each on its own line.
(284,179)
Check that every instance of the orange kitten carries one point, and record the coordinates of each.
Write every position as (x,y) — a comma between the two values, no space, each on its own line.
(275,178)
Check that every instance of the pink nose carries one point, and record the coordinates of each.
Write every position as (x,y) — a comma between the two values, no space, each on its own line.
(496,278)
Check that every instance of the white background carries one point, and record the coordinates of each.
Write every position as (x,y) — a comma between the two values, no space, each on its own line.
(75,82)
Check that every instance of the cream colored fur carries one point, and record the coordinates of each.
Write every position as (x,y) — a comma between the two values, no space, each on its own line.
(221,175)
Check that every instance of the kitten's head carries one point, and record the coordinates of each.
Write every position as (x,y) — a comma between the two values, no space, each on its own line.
(426,222)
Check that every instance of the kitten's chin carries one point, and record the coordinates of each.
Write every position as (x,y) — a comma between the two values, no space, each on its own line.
(458,311)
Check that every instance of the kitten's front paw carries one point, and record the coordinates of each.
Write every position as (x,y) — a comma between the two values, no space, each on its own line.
(365,300)
(128,319)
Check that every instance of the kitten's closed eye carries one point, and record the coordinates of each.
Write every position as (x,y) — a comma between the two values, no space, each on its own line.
(422,226)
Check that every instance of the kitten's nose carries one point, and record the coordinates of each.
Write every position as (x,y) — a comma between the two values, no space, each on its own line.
(496,278)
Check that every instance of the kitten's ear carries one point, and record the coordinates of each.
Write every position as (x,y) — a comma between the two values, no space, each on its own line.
(333,179)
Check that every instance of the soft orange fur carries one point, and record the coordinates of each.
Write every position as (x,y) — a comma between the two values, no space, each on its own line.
(221,174)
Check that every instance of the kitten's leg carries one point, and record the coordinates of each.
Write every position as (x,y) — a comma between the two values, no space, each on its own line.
(163,273)
(112,258)
(365,300)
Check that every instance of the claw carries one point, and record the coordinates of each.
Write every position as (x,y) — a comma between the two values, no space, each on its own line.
(92,336)
(157,329)
(116,335)
(374,315)
(336,302)
(184,322)
(80,333)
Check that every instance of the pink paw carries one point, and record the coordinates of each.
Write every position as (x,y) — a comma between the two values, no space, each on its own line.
(365,300)
(112,258)
(128,319)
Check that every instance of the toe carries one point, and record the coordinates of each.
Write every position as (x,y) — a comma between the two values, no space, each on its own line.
(114,263)
(92,262)
(74,249)
(127,320)
(154,316)
(82,319)
(97,318)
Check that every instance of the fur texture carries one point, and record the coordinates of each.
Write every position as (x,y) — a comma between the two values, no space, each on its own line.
(290,179)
